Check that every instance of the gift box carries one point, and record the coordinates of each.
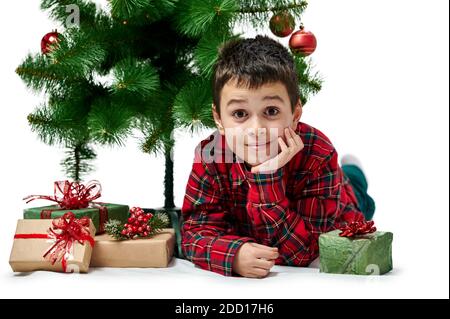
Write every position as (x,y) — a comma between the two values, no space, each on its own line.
(367,254)
(39,245)
(99,214)
(79,199)
(175,220)
(155,251)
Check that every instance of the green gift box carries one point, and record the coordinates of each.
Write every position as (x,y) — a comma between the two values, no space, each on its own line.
(369,254)
(98,212)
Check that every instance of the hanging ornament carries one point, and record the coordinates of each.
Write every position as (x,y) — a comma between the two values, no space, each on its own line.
(282,24)
(303,42)
(48,41)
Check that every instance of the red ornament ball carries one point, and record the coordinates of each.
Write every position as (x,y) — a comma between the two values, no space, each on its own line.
(303,42)
(48,41)
(282,24)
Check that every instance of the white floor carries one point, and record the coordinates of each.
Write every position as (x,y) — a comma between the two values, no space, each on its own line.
(184,280)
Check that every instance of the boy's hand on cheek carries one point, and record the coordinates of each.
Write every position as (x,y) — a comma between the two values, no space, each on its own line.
(295,144)
(254,260)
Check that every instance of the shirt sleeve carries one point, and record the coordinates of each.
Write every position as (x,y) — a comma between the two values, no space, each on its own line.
(208,238)
(295,229)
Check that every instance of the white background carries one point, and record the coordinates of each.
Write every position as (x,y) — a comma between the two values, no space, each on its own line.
(385,99)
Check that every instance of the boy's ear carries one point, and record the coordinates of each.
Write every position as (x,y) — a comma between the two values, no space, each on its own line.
(217,120)
(298,110)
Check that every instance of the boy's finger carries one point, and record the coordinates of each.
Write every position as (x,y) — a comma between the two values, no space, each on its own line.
(259,272)
(282,144)
(289,137)
(264,264)
(299,142)
(268,166)
(267,254)
(295,137)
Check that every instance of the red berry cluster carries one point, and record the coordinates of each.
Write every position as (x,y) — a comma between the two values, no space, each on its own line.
(137,225)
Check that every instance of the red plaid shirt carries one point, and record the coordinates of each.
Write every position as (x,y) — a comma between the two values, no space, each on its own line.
(226,205)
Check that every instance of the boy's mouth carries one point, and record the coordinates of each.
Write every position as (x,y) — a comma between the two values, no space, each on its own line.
(257,145)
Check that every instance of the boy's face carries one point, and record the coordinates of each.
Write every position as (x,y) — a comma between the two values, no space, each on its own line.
(252,120)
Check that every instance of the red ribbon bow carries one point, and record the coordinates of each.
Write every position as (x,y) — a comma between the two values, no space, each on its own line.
(357,228)
(65,231)
(71,195)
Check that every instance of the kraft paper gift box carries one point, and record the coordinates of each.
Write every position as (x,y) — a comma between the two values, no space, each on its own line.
(27,253)
(99,215)
(155,251)
(369,254)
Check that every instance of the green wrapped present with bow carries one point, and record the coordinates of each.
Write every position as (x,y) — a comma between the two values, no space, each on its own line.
(79,199)
(357,248)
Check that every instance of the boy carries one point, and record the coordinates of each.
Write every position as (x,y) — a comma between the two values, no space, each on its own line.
(264,186)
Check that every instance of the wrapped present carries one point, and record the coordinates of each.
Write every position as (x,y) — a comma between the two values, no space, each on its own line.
(175,221)
(77,198)
(356,249)
(143,241)
(99,214)
(154,251)
(63,244)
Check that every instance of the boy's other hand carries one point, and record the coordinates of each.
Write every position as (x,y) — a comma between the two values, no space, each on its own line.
(287,152)
(254,260)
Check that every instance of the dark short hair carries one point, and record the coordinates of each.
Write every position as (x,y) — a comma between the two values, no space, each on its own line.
(254,62)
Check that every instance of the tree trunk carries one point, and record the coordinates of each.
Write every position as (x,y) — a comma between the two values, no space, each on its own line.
(168,176)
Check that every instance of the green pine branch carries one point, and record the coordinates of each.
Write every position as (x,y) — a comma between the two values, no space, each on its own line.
(156,121)
(192,105)
(76,54)
(78,161)
(114,227)
(63,119)
(125,9)
(309,83)
(109,124)
(206,53)
(257,13)
(58,10)
(70,60)
(152,143)
(261,6)
(195,17)
(39,73)
(157,135)
(135,77)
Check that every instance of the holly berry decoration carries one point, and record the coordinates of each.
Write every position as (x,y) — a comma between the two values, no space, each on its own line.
(139,224)
(303,42)
(48,41)
(282,24)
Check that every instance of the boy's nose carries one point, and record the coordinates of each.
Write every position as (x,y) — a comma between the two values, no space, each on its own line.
(256,132)
(257,135)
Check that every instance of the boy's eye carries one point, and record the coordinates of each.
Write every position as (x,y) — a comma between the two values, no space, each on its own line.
(271,111)
(239,114)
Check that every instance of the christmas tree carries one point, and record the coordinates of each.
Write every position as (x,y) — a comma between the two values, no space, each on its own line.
(143,65)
